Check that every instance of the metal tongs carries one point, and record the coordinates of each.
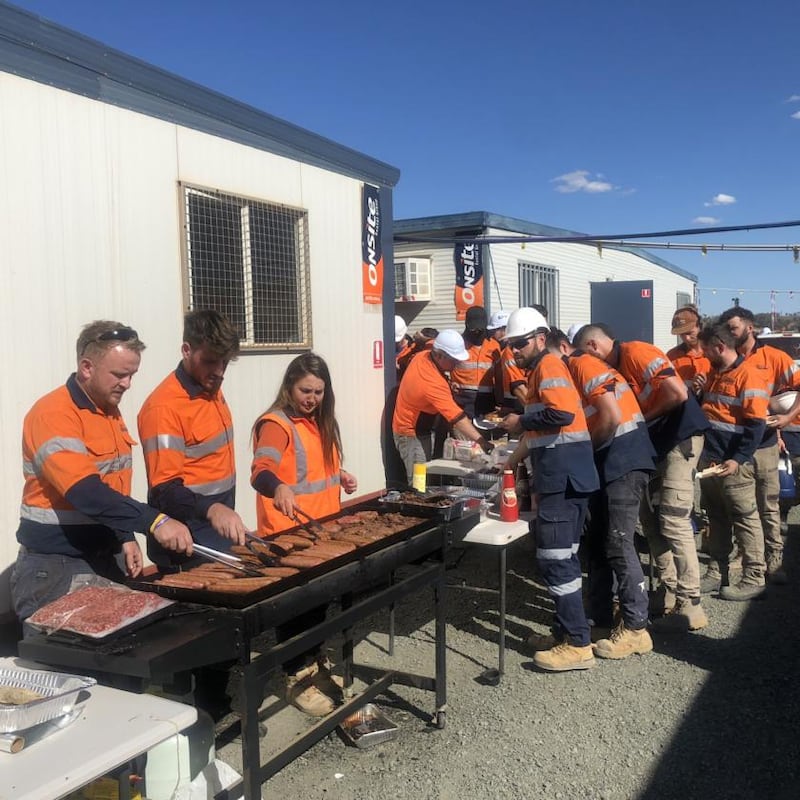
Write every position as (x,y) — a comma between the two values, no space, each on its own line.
(224,558)
(311,526)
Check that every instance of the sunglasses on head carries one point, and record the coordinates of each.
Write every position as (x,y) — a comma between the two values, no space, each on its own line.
(116,335)
(518,344)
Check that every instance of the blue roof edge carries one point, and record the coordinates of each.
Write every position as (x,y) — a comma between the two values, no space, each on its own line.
(35,48)
(486,219)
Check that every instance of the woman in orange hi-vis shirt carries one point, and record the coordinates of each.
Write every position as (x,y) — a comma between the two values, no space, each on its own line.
(297,454)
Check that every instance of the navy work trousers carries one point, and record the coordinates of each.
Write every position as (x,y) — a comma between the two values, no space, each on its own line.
(611,550)
(557,530)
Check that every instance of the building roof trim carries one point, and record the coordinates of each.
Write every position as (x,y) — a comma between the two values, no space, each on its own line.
(35,48)
(485,219)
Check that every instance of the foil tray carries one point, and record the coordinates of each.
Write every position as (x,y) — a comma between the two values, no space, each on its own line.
(368,726)
(59,692)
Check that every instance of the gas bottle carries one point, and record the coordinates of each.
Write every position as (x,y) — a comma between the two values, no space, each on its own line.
(509,507)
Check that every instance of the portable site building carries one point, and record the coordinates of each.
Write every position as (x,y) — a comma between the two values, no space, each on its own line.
(630,289)
(128,193)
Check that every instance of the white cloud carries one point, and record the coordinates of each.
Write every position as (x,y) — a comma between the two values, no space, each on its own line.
(721,200)
(581,180)
(796,115)
(795,98)
(706,220)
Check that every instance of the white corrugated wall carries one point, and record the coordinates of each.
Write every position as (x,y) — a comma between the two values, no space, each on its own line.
(90,228)
(578,266)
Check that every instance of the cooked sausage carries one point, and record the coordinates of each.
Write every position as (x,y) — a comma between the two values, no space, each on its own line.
(295,541)
(179,581)
(241,585)
(351,538)
(278,572)
(301,561)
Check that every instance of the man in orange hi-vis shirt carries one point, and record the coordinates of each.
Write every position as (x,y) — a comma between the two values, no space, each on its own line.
(187,436)
(76,511)
(779,372)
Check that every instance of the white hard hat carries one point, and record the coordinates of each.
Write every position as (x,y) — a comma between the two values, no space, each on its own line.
(524,321)
(499,320)
(451,343)
(573,329)
(765,331)
(400,328)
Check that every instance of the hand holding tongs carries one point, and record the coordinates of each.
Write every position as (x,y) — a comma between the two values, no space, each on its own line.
(225,558)
(311,526)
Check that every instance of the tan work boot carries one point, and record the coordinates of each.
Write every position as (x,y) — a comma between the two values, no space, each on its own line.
(745,589)
(304,695)
(624,642)
(776,574)
(329,684)
(712,579)
(565,656)
(662,601)
(688,615)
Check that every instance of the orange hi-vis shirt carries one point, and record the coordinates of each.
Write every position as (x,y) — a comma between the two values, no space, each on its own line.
(735,403)
(688,363)
(187,436)
(776,368)
(66,440)
(291,448)
(561,454)
(477,373)
(630,447)
(513,375)
(423,393)
(644,367)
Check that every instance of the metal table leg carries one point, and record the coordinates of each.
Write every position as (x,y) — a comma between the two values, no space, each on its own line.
(502,656)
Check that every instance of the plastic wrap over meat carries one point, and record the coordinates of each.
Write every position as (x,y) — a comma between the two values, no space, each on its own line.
(96,607)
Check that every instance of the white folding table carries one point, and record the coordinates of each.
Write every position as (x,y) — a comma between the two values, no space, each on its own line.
(493,532)
(114,727)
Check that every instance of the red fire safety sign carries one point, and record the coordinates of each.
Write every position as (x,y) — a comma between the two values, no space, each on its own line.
(645,293)
(377,354)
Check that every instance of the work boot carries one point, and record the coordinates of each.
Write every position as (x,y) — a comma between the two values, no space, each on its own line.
(687,615)
(712,580)
(745,589)
(565,656)
(304,695)
(330,685)
(624,642)
(775,572)
(543,641)
(662,601)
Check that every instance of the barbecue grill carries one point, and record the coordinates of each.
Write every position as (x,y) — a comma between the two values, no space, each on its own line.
(209,628)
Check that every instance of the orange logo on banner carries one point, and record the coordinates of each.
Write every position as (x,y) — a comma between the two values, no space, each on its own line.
(468,296)
(371,249)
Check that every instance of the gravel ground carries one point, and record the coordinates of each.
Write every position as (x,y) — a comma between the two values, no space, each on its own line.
(708,715)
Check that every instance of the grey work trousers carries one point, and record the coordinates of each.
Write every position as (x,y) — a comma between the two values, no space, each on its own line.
(732,509)
(768,489)
(666,516)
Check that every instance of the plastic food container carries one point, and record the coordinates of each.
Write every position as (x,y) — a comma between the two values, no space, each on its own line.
(58,693)
(368,726)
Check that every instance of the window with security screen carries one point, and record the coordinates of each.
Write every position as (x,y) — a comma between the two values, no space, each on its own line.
(539,285)
(249,260)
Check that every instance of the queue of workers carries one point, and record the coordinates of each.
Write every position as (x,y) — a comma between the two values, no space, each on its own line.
(617,432)
(77,514)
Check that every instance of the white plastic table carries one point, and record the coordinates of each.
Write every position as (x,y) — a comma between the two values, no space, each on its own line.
(114,727)
(493,532)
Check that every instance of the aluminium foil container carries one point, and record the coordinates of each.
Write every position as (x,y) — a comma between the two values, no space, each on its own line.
(59,693)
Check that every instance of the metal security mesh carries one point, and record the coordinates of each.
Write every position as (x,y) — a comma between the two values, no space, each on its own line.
(538,284)
(249,260)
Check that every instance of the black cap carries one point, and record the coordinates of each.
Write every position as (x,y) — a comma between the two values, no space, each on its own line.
(476,319)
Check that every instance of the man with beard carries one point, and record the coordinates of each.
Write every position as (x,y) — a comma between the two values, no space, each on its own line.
(558,442)
(735,402)
(478,381)
(186,430)
(778,372)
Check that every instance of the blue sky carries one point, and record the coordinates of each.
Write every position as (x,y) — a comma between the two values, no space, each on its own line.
(603,117)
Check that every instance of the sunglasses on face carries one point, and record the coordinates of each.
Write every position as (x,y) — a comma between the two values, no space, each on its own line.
(518,344)
(116,335)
